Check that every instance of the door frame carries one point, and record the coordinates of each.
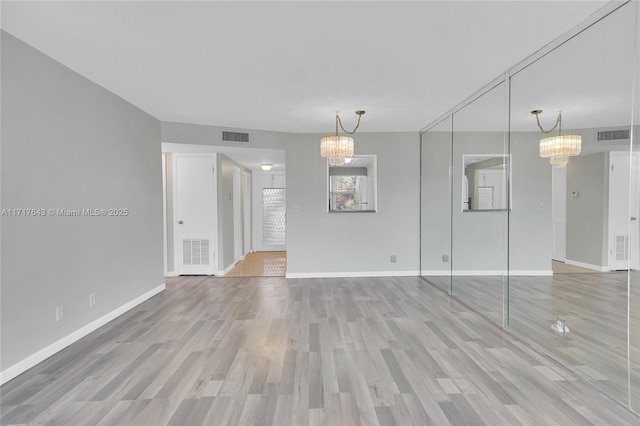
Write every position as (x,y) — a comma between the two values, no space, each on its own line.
(238,223)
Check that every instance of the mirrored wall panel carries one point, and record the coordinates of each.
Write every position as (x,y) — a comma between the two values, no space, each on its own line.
(634,184)
(436,205)
(573,239)
(481,190)
(537,182)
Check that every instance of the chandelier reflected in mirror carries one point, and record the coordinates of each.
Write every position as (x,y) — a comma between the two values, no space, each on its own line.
(336,148)
(558,148)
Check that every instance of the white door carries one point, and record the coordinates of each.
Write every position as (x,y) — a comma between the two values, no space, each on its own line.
(194,205)
(237,216)
(559,212)
(623,211)
(246,211)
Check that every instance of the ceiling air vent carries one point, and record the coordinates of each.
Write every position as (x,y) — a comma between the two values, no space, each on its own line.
(612,135)
(235,137)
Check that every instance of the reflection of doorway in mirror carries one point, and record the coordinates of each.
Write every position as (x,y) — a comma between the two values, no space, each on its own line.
(624,231)
(485,184)
(491,189)
(559,212)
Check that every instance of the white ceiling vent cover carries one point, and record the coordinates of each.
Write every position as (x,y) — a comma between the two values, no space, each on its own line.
(612,135)
(195,252)
(235,137)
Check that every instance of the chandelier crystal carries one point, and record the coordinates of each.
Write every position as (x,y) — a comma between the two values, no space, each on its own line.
(337,148)
(558,148)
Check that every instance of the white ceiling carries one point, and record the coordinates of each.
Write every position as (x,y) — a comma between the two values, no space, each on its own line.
(288,66)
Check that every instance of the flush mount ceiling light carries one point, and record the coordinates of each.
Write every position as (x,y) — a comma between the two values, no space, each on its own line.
(266,167)
(335,147)
(559,148)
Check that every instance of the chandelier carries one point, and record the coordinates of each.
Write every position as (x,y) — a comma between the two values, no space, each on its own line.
(558,148)
(336,147)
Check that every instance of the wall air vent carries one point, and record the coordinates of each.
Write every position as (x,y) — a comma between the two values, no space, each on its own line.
(235,137)
(612,135)
(622,247)
(195,252)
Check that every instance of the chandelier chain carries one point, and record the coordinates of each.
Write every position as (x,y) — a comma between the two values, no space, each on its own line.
(558,124)
(339,121)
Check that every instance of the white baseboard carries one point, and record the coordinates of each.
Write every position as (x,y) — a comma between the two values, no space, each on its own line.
(352,274)
(226,271)
(463,273)
(34,359)
(170,274)
(587,265)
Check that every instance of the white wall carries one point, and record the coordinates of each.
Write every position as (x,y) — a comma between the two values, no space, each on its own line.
(70,144)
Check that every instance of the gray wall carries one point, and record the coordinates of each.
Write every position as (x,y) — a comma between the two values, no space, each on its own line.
(480,240)
(322,242)
(530,219)
(70,144)
(436,199)
(587,214)
(318,241)
(199,134)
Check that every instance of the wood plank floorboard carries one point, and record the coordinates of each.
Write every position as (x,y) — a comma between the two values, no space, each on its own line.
(594,306)
(276,351)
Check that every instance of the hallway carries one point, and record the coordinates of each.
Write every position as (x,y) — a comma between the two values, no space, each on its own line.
(261,264)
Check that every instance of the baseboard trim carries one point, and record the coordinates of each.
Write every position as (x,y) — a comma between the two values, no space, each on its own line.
(170,274)
(463,273)
(587,265)
(36,358)
(367,274)
(226,271)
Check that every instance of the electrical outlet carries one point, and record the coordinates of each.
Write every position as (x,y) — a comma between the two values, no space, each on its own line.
(92,300)
(394,259)
(59,313)
(445,257)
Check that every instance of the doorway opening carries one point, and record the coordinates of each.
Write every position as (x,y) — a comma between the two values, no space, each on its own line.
(221,207)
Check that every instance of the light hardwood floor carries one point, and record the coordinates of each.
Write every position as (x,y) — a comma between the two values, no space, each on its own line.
(261,264)
(275,351)
(594,306)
